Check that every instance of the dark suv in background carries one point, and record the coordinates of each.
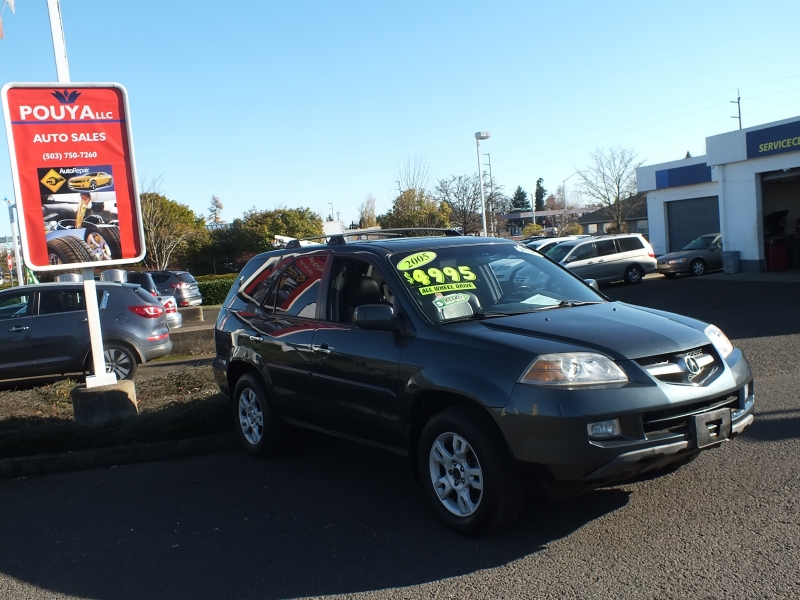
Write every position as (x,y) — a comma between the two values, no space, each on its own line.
(419,346)
(44,329)
(180,284)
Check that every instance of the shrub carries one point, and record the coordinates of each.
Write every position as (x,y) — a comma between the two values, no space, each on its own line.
(532,229)
(215,290)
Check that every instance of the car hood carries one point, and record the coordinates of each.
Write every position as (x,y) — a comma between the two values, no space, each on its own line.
(618,330)
(680,254)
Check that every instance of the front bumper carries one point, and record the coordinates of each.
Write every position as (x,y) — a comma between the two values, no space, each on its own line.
(677,268)
(662,424)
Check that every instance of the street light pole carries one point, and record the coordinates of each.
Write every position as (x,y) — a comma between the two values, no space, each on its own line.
(564,191)
(482,135)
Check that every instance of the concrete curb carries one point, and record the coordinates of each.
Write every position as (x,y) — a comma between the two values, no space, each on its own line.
(30,466)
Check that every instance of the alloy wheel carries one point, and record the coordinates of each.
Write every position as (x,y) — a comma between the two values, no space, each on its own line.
(251,417)
(99,247)
(117,362)
(456,474)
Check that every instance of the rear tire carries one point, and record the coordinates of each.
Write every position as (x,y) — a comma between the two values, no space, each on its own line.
(119,359)
(633,275)
(467,472)
(260,431)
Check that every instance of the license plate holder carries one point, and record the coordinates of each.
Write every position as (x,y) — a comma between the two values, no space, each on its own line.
(711,428)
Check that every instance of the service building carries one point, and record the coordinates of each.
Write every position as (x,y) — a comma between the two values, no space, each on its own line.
(747,186)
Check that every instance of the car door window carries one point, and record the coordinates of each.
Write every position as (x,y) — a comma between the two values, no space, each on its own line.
(583,252)
(605,247)
(355,283)
(298,287)
(13,306)
(629,244)
(53,301)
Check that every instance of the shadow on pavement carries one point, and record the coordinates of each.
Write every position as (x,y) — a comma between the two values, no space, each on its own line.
(742,309)
(327,518)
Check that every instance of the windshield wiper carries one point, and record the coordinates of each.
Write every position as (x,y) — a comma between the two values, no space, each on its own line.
(571,303)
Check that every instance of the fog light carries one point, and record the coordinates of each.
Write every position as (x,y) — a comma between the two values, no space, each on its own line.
(603,429)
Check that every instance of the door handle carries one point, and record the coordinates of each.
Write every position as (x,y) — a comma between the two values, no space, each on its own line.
(85,320)
(256,338)
(602,260)
(19,328)
(322,349)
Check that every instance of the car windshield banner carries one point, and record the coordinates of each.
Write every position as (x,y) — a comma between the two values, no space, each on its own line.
(74,174)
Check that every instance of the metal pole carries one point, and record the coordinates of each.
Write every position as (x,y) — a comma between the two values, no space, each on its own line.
(480,176)
(89,289)
(491,195)
(17,261)
(59,45)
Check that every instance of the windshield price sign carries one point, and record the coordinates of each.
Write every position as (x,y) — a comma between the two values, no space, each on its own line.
(74,174)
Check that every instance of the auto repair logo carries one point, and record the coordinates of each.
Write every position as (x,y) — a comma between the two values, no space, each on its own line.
(65,110)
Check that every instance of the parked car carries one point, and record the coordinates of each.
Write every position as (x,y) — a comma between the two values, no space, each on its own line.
(698,256)
(44,331)
(180,284)
(90,181)
(544,244)
(605,258)
(145,280)
(415,346)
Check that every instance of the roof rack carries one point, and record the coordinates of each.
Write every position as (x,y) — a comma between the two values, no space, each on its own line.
(340,239)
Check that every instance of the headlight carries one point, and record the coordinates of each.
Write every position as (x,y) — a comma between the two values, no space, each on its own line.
(573,368)
(720,340)
(675,261)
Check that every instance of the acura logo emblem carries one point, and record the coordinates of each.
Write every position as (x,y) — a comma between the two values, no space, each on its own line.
(692,365)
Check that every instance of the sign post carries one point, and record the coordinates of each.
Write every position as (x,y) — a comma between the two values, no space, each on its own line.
(75,180)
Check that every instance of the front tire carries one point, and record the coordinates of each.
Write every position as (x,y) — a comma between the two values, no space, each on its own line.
(698,267)
(468,473)
(261,432)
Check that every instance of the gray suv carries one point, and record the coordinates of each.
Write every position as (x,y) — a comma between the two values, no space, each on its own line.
(605,258)
(44,331)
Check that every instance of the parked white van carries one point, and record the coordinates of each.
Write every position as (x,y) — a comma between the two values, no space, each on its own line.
(604,258)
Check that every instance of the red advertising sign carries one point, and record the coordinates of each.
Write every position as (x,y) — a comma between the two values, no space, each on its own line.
(74,174)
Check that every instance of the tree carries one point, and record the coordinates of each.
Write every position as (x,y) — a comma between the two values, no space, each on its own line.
(610,179)
(571,228)
(168,226)
(532,229)
(519,201)
(414,209)
(413,174)
(539,195)
(462,194)
(366,213)
(215,209)
(256,230)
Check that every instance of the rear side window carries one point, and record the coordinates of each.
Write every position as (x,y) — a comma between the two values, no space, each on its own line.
(52,302)
(629,244)
(297,290)
(605,247)
(185,278)
(143,295)
(159,278)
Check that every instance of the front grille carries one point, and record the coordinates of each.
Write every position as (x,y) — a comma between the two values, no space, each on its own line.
(675,419)
(697,366)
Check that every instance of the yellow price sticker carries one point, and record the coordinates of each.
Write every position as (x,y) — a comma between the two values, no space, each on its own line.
(415,260)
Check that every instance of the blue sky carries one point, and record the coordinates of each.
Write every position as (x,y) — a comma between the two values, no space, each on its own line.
(307,103)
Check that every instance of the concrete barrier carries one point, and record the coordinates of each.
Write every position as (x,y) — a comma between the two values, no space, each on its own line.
(192,340)
(191,313)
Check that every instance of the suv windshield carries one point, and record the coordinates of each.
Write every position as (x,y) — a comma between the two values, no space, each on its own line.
(482,280)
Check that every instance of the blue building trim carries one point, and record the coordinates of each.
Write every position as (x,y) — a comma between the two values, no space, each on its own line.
(679,176)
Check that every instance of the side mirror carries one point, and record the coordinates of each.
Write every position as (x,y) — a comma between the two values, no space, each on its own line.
(592,283)
(376,317)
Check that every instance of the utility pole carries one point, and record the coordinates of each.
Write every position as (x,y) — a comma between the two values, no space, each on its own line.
(738,103)
(491,192)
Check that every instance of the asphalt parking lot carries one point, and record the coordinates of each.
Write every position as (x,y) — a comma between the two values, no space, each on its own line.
(334,518)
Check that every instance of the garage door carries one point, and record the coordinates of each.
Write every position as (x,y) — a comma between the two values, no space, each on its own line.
(688,219)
